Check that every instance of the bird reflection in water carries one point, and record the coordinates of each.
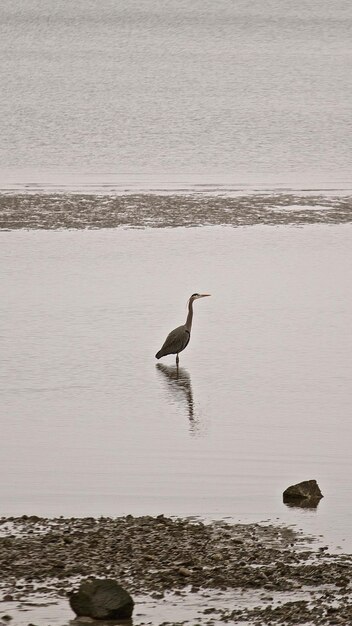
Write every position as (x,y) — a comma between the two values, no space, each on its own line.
(179,382)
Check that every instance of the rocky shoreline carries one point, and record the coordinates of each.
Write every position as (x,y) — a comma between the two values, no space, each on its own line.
(159,555)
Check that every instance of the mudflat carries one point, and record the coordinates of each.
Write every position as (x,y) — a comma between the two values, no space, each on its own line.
(157,556)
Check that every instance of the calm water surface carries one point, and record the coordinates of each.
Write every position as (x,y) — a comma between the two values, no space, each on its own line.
(161,115)
(93,425)
(212,91)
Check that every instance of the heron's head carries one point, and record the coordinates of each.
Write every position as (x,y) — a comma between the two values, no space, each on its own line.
(196,296)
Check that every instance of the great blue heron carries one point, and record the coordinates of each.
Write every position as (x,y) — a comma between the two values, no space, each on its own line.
(178,339)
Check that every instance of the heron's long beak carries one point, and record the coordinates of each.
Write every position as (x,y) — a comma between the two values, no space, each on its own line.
(203,295)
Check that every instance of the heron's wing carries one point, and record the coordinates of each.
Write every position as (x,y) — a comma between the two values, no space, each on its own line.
(176,341)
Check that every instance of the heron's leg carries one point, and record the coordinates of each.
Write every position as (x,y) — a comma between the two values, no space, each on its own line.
(177,360)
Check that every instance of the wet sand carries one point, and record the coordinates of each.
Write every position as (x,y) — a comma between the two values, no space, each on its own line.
(284,577)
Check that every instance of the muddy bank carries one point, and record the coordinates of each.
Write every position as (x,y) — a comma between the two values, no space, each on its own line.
(81,211)
(160,555)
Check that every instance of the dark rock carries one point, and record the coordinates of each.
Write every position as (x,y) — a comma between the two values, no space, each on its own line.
(302,503)
(306,490)
(101,599)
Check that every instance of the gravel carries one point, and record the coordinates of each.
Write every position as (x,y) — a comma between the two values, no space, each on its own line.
(156,555)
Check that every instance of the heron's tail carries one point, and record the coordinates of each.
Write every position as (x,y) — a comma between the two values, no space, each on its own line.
(159,354)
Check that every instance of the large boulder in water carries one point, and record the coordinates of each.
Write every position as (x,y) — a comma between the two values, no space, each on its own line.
(101,599)
(303,493)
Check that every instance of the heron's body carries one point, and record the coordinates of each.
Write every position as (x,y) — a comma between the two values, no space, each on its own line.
(178,339)
(175,342)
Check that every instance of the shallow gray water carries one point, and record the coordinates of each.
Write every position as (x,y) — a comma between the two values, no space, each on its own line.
(93,425)
(172,607)
(171,114)
(212,91)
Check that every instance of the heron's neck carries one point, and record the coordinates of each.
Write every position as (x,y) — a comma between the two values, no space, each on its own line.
(189,316)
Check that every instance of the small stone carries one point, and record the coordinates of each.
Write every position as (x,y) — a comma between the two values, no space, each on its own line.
(184,571)
(157,595)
